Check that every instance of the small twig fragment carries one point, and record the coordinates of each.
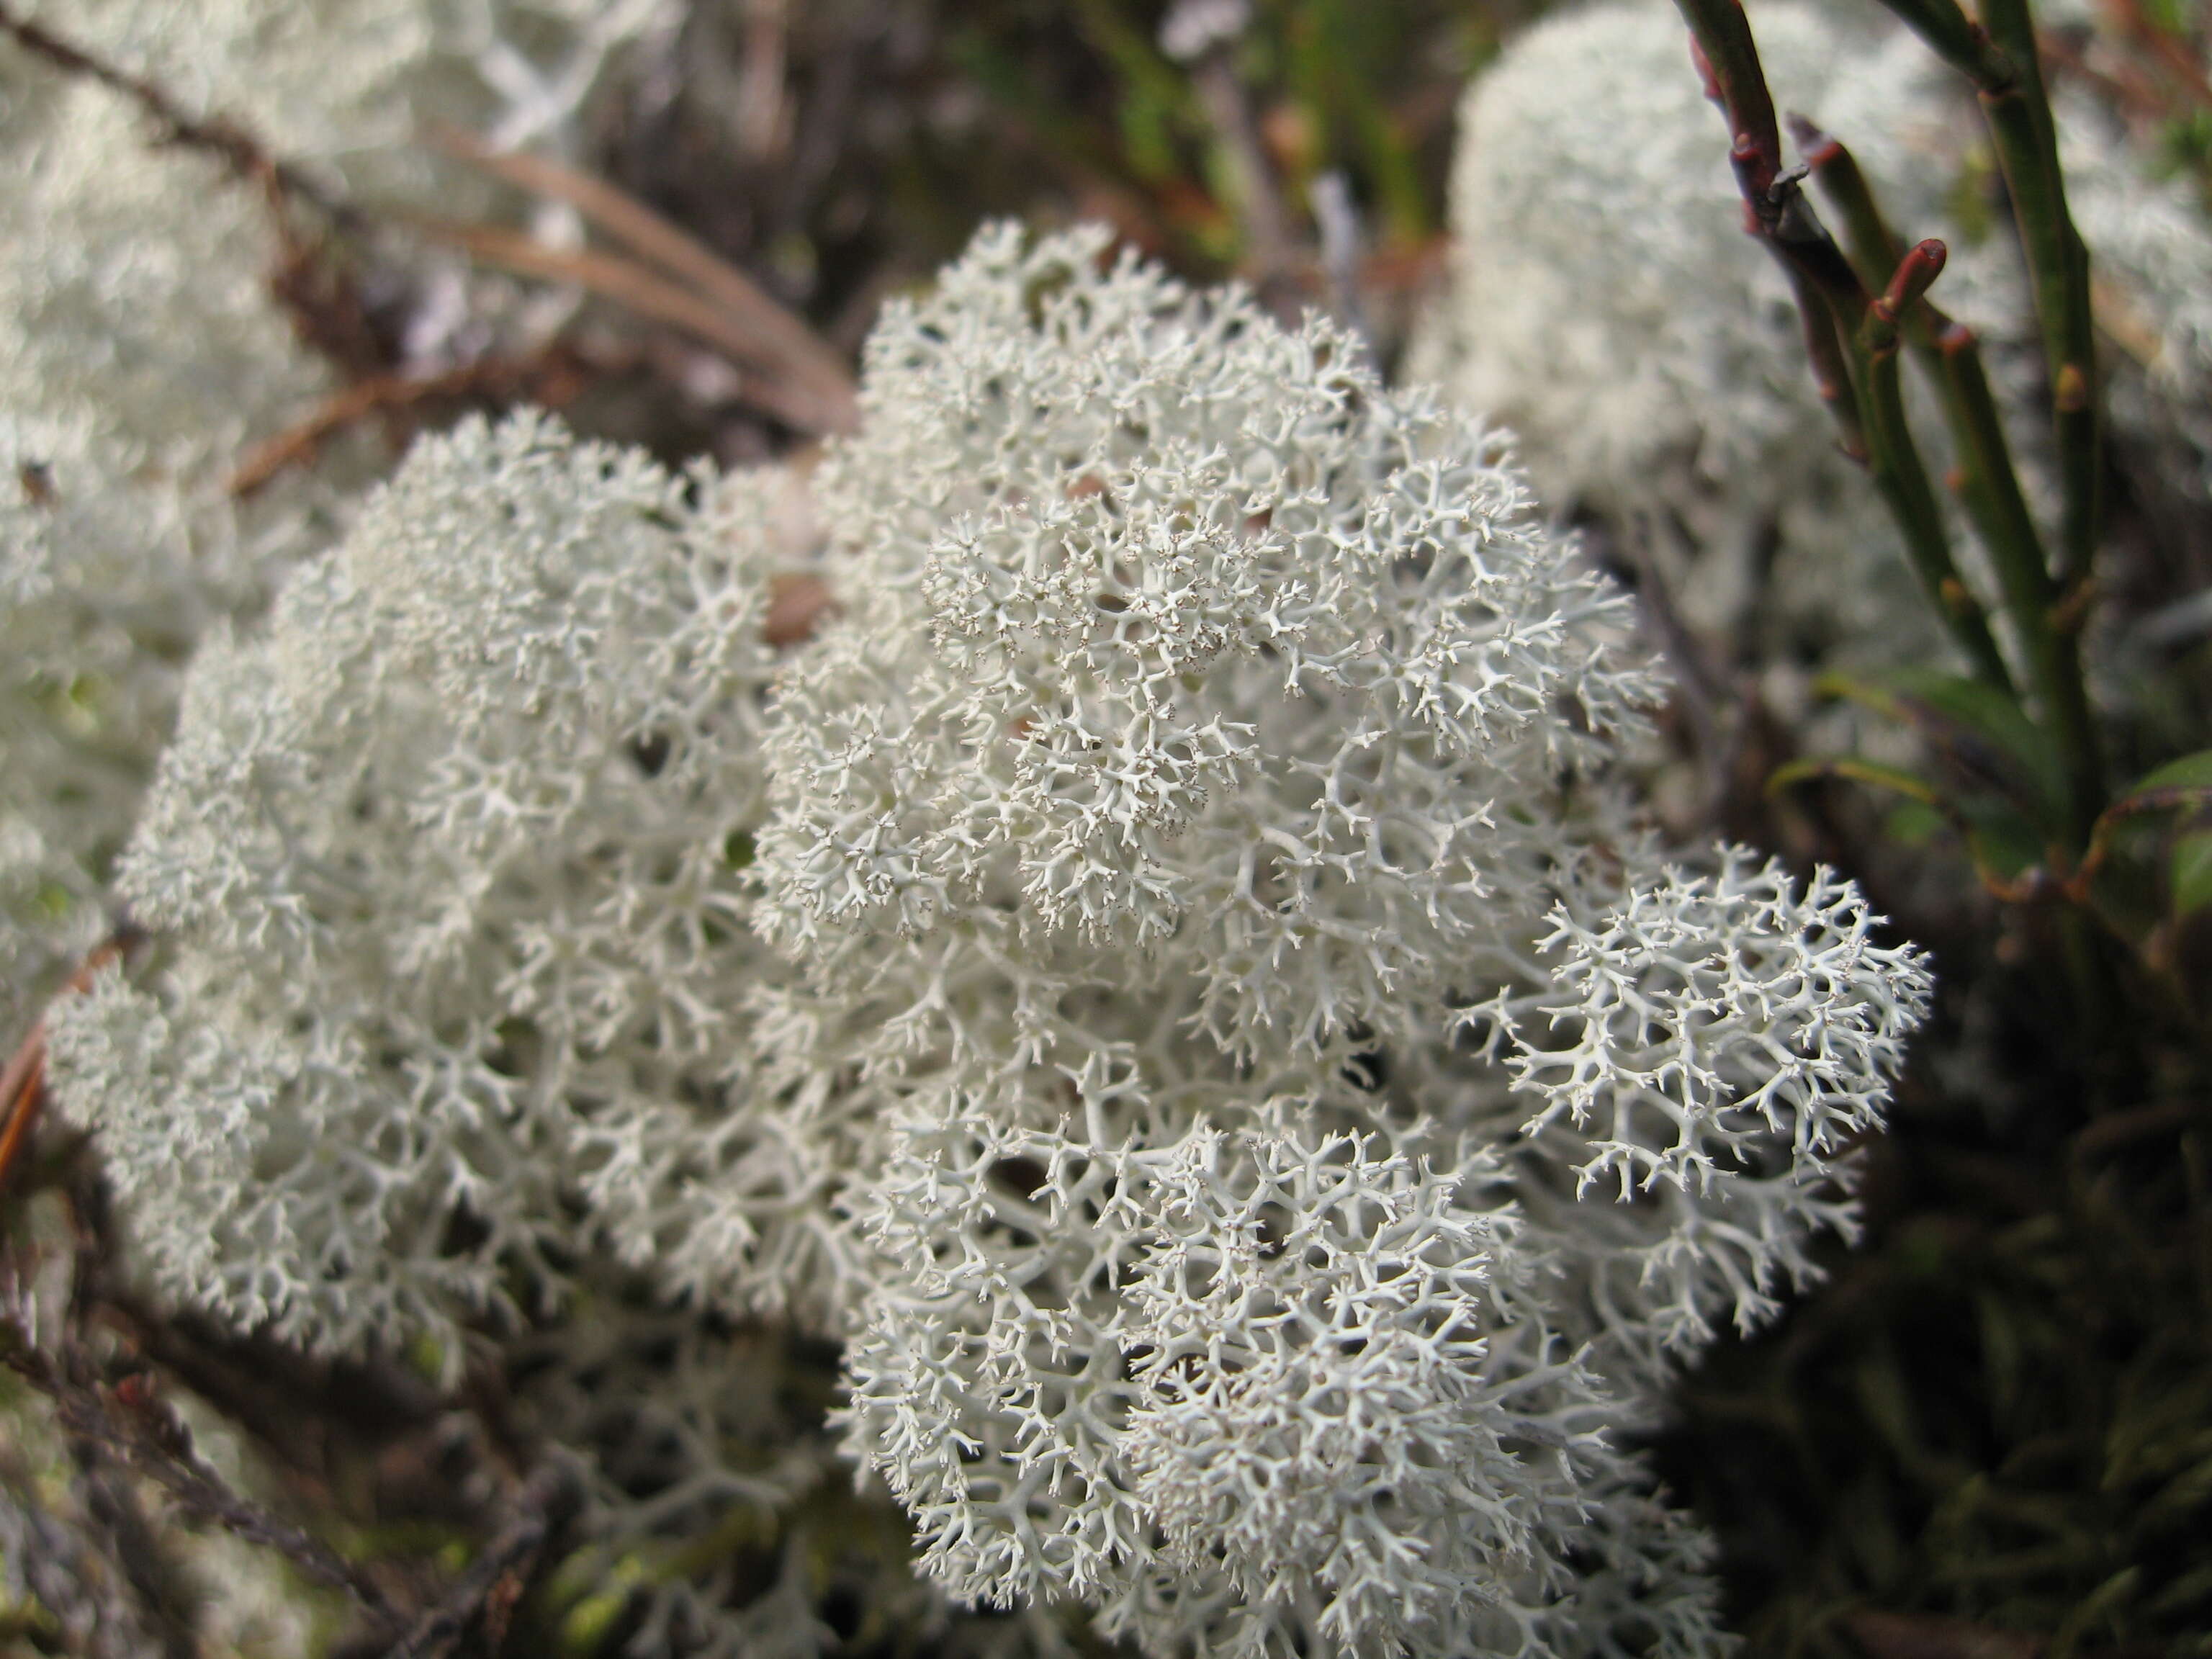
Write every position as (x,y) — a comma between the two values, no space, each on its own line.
(22,1080)
(765,385)
(131,1421)
(547,379)
(485,1595)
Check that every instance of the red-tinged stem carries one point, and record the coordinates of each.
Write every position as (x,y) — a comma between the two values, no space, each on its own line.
(2000,57)
(1835,306)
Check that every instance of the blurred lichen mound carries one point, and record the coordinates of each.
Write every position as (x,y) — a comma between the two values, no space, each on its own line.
(138,350)
(1607,307)
(143,348)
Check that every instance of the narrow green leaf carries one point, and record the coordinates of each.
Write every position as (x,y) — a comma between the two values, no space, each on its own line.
(1999,838)
(1872,772)
(1912,824)
(2190,772)
(2190,873)
(1980,731)
(1984,712)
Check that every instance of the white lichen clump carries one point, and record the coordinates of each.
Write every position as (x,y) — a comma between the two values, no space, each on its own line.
(1607,306)
(1604,296)
(1160,971)
(141,354)
(351,88)
(138,349)
(449,856)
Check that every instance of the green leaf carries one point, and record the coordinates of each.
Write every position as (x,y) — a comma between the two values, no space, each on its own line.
(1980,730)
(2179,786)
(2189,872)
(1999,838)
(2002,841)
(2190,772)
(1912,824)
(2182,786)
(1874,772)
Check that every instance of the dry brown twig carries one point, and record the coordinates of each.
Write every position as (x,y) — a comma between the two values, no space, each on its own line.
(486,1593)
(23,1079)
(549,378)
(788,370)
(116,1522)
(315,290)
(673,278)
(130,1420)
(226,141)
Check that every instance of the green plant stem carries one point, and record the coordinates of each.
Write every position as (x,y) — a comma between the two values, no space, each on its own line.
(1826,347)
(1875,248)
(2002,62)
(2027,150)
(1893,460)
(2054,656)
(1951,357)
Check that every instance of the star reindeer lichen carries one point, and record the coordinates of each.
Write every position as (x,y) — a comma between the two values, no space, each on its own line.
(1162,967)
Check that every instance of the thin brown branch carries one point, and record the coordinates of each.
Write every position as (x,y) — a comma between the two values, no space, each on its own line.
(771,332)
(315,290)
(132,1423)
(287,1402)
(22,1080)
(111,1506)
(485,1595)
(319,290)
(22,1087)
(227,142)
(547,378)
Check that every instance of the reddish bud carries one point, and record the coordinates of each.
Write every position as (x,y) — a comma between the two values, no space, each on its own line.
(1916,274)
